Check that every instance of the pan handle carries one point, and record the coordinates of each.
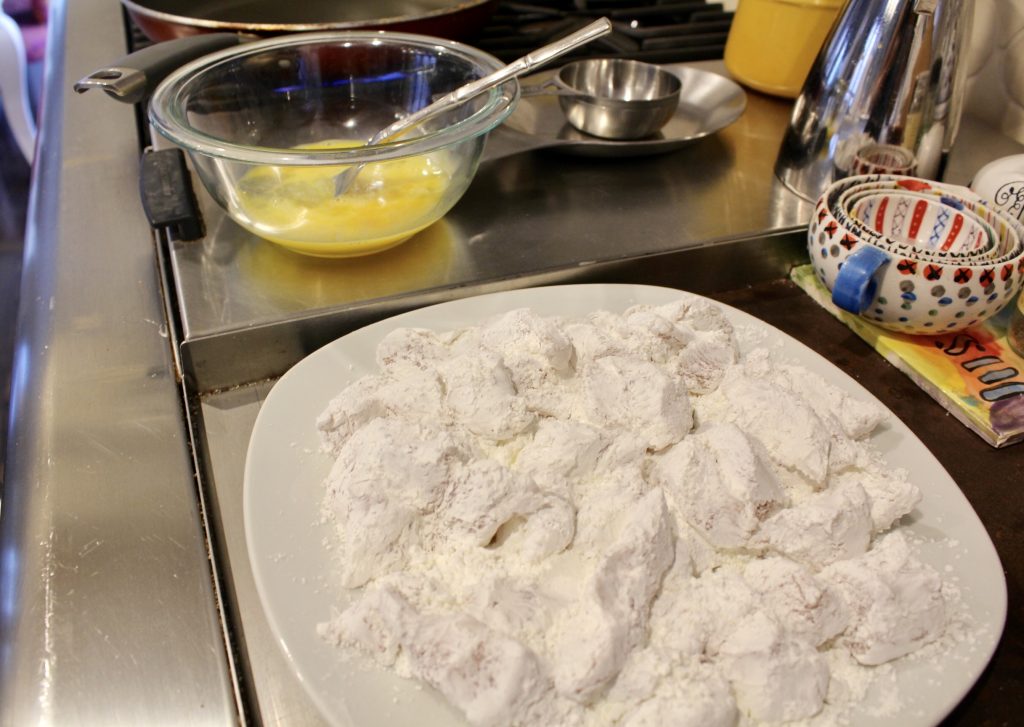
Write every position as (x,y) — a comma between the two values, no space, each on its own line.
(134,77)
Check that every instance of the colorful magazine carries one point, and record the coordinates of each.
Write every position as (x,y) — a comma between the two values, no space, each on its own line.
(973,373)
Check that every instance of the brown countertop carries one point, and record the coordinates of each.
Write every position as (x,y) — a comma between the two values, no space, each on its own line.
(990,478)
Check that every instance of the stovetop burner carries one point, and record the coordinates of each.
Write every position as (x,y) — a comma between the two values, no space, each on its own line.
(652,31)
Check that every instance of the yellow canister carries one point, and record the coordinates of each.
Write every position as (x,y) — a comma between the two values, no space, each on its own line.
(772,43)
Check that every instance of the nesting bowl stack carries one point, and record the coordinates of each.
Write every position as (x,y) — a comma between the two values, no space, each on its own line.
(913,255)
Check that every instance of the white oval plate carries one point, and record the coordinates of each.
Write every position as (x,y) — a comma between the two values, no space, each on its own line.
(291,561)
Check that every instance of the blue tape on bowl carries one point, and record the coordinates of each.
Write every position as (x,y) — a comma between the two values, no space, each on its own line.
(855,283)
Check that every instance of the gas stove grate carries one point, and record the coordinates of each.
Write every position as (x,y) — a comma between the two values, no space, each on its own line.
(648,30)
(656,32)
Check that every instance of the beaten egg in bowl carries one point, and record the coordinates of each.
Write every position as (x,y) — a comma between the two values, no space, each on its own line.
(386,204)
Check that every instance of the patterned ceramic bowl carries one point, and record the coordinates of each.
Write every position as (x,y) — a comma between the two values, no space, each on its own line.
(1008,233)
(925,222)
(904,292)
(884,159)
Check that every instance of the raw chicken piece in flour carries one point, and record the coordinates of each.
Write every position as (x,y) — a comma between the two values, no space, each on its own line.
(694,616)
(828,526)
(805,606)
(711,347)
(404,391)
(890,493)
(415,346)
(386,475)
(894,600)
(485,496)
(481,397)
(561,452)
(847,418)
(638,396)
(614,612)
(654,337)
(695,696)
(718,484)
(493,679)
(785,426)
(776,677)
(512,608)
(857,418)
(538,355)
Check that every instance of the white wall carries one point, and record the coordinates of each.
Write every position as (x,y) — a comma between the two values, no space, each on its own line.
(995,66)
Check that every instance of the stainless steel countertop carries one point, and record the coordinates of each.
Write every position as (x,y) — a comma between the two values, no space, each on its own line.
(111,602)
(522,215)
(534,217)
(108,613)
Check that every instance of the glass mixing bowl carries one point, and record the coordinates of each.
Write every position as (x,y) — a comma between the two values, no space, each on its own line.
(268,126)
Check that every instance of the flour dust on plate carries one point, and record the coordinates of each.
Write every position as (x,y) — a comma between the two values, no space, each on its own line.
(590,572)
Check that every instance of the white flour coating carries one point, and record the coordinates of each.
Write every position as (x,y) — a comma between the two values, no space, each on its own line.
(615,520)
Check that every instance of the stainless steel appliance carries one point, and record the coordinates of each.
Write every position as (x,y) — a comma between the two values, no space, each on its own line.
(891,72)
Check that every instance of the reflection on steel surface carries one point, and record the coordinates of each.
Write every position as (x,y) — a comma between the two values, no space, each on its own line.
(109,614)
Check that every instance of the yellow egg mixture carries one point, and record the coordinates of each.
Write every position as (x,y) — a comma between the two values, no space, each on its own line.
(387,203)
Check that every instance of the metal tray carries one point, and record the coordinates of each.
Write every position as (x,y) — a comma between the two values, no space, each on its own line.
(527,219)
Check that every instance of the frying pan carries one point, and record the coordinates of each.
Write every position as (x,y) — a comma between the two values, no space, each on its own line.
(168,19)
